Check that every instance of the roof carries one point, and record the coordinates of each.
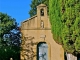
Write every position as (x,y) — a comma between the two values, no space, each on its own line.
(29,18)
(41,5)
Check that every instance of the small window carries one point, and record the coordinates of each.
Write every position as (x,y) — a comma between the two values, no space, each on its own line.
(42,12)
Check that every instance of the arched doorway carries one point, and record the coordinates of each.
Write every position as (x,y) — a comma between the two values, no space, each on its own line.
(42,51)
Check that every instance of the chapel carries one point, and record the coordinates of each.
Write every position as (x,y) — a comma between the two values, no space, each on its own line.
(37,40)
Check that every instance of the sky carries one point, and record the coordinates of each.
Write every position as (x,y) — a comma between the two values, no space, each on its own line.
(18,9)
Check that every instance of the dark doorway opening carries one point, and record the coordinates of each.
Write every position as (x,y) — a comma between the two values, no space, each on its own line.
(78,57)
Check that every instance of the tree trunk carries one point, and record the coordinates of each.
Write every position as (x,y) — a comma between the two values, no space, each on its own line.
(71,57)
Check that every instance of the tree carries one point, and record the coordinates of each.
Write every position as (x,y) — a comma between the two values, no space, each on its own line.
(7,52)
(9,38)
(65,22)
(6,24)
(13,38)
(34,4)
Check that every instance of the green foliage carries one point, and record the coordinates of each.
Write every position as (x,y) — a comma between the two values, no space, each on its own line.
(55,19)
(6,24)
(13,38)
(65,22)
(7,52)
(34,4)
(8,49)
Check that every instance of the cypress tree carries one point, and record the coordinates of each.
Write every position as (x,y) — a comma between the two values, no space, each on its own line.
(65,23)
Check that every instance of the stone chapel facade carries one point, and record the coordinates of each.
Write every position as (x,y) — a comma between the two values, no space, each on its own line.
(37,40)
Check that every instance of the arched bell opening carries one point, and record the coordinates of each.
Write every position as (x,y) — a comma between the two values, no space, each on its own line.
(42,12)
(42,51)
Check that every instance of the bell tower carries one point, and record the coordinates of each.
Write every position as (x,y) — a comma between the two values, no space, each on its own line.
(42,16)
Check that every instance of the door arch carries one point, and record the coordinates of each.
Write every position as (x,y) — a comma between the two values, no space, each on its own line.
(42,51)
